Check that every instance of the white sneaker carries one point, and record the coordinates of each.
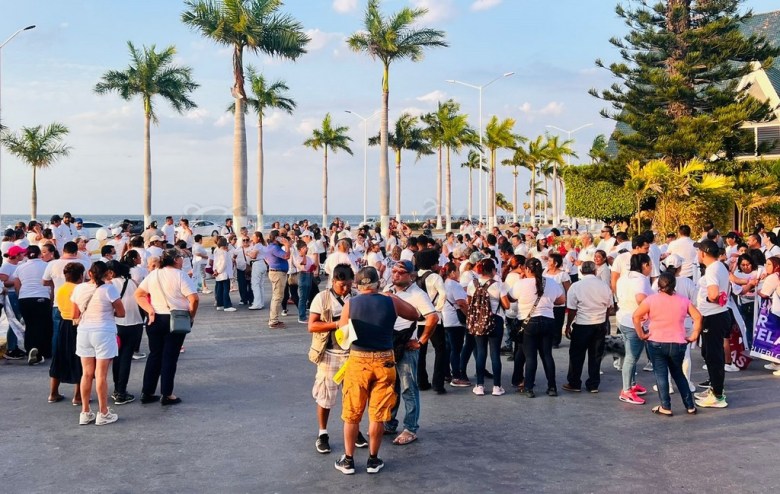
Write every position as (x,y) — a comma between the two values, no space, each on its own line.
(206,292)
(498,391)
(284,313)
(479,390)
(776,373)
(648,367)
(254,307)
(730,368)
(704,366)
(138,355)
(671,389)
(617,364)
(106,418)
(220,308)
(692,387)
(230,309)
(86,418)
(772,367)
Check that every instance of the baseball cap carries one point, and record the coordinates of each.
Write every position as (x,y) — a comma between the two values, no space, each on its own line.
(155,238)
(116,231)
(368,277)
(709,247)
(406,265)
(306,233)
(15,250)
(673,261)
(475,257)
(79,220)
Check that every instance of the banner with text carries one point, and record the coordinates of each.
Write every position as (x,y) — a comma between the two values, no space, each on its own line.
(766,335)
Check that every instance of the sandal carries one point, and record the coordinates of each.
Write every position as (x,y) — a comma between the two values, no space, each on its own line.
(56,399)
(659,410)
(405,438)
(692,411)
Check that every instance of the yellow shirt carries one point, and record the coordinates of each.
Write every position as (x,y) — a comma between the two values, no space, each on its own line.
(63,300)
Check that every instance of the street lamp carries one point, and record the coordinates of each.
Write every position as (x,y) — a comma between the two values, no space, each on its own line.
(365,158)
(569,133)
(1,100)
(481,152)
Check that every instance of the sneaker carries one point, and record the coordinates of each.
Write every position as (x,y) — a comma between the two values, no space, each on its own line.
(106,418)
(139,355)
(631,397)
(705,384)
(772,367)
(374,465)
(569,387)
(671,389)
(691,387)
(323,444)
(220,308)
(256,307)
(32,357)
(86,418)
(277,325)
(284,312)
(123,399)
(498,391)
(361,442)
(303,321)
(507,350)
(230,309)
(479,390)
(731,368)
(207,291)
(702,395)
(639,390)
(617,364)
(704,367)
(648,367)
(460,383)
(345,465)
(15,354)
(552,392)
(776,373)
(528,393)
(712,401)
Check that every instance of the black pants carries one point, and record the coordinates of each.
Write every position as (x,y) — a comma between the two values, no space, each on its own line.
(290,292)
(164,348)
(38,333)
(244,288)
(538,339)
(560,318)
(441,360)
(716,328)
(586,338)
(129,337)
(518,371)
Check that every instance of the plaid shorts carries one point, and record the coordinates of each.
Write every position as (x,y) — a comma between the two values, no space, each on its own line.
(325,392)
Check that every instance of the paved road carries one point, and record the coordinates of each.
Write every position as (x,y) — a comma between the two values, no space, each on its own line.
(247,424)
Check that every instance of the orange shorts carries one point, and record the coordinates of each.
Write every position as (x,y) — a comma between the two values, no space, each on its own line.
(368,380)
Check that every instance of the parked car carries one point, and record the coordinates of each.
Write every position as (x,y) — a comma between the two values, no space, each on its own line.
(135,227)
(205,227)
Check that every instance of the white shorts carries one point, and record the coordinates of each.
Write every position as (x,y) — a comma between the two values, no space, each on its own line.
(96,344)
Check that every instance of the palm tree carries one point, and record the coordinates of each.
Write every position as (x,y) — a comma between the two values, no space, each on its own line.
(642,182)
(457,135)
(498,134)
(598,149)
(535,156)
(753,191)
(519,159)
(407,136)
(557,154)
(473,163)
(389,39)
(39,147)
(502,203)
(258,26)
(545,171)
(151,73)
(265,96)
(333,138)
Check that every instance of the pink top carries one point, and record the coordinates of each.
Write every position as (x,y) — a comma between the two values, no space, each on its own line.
(667,317)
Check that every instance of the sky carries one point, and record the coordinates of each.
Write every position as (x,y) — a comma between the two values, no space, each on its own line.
(48,75)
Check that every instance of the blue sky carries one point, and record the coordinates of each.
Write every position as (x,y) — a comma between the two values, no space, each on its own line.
(48,75)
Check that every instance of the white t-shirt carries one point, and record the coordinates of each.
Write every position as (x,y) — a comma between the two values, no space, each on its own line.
(715,274)
(570,262)
(415,296)
(333,260)
(55,272)
(524,291)
(373,258)
(607,244)
(132,312)
(560,277)
(496,291)
(621,264)
(9,270)
(772,288)
(655,260)
(466,277)
(434,286)
(586,254)
(169,231)
(628,287)
(153,251)
(521,250)
(96,306)
(684,248)
(591,298)
(223,264)
(454,292)
(509,282)
(407,255)
(176,285)
(30,275)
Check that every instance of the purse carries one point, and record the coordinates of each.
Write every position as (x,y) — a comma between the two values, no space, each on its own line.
(292,279)
(180,319)
(521,327)
(248,270)
(461,315)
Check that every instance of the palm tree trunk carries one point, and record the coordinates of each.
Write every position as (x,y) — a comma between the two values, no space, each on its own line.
(438,192)
(514,198)
(239,166)
(325,189)
(471,194)
(147,170)
(533,194)
(556,217)
(546,195)
(398,185)
(448,192)
(491,209)
(34,196)
(260,220)
(384,172)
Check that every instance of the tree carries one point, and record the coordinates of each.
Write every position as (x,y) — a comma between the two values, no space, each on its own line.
(644,181)
(264,96)
(39,147)
(407,136)
(473,163)
(520,159)
(390,39)
(557,153)
(151,73)
(534,156)
(502,203)
(333,138)
(598,149)
(255,25)
(498,135)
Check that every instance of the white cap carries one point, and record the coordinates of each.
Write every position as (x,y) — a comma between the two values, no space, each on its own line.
(307,232)
(540,236)
(155,238)
(673,261)
(116,231)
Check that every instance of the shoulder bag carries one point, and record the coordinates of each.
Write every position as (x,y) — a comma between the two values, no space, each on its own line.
(319,340)
(248,268)
(517,335)
(180,319)
(81,313)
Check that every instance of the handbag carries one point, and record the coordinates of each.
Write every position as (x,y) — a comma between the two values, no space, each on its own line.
(248,269)
(180,319)
(292,279)
(518,336)
(461,315)
(319,340)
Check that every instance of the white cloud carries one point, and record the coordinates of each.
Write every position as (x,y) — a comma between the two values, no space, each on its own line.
(484,4)
(321,39)
(413,110)
(432,97)
(197,115)
(307,125)
(552,108)
(438,10)
(344,6)
(224,120)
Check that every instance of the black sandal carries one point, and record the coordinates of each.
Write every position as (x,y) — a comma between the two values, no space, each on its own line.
(658,411)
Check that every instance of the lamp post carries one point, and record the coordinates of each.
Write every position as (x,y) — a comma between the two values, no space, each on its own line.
(365,158)
(557,219)
(481,151)
(1,103)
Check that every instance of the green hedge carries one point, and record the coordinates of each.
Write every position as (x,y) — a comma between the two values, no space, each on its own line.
(600,199)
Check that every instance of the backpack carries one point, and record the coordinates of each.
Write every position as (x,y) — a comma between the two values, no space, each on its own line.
(479,319)
(421,283)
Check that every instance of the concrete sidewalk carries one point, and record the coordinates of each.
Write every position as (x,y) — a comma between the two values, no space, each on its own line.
(247,424)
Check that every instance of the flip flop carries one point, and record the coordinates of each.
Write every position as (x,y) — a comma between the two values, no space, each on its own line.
(692,411)
(56,399)
(658,411)
(405,438)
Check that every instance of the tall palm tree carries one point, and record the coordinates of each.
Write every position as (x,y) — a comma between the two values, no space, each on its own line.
(151,73)
(518,160)
(557,153)
(434,132)
(391,38)
(457,135)
(502,203)
(39,147)
(498,135)
(535,155)
(255,25)
(473,163)
(265,95)
(333,138)
(407,136)
(598,149)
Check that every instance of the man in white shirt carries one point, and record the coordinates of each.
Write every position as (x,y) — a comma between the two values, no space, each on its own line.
(407,254)
(518,245)
(169,230)
(587,252)
(339,256)
(684,248)
(589,301)
(622,263)
(622,243)
(428,278)
(655,255)
(607,241)
(67,229)
(54,276)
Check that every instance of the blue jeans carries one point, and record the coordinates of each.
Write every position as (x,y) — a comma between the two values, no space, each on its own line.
(222,294)
(465,354)
(406,388)
(667,359)
(494,341)
(634,347)
(304,287)
(56,318)
(454,337)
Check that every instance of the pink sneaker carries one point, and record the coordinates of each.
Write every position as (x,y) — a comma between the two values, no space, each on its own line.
(639,390)
(631,397)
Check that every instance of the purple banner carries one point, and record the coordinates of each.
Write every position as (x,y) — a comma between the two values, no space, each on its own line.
(766,335)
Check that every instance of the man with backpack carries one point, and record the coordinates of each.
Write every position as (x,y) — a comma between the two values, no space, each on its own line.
(429,280)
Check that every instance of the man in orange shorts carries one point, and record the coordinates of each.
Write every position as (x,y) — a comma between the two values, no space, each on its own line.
(370,372)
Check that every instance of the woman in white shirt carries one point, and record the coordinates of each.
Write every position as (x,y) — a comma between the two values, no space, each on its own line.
(744,280)
(96,305)
(515,336)
(570,260)
(453,318)
(129,329)
(603,271)
(223,272)
(543,293)
(259,271)
(561,276)
(540,250)
(35,303)
(200,258)
(305,267)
